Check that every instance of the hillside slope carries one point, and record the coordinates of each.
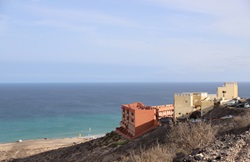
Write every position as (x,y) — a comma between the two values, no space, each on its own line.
(218,139)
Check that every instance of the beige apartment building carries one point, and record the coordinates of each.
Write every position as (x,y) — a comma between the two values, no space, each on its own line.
(164,111)
(228,91)
(186,103)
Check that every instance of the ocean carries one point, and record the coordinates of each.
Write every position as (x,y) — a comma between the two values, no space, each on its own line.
(60,110)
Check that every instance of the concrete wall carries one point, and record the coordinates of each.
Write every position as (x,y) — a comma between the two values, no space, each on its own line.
(212,96)
(231,91)
(144,119)
(198,97)
(206,106)
(183,104)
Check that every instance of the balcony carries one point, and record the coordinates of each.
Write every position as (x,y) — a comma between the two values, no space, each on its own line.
(131,116)
(132,123)
(122,124)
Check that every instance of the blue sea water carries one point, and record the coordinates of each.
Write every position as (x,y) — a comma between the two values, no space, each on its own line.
(35,111)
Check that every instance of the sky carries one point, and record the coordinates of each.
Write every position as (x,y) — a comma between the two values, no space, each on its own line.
(45,41)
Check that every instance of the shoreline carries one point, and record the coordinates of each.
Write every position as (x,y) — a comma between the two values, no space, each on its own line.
(49,138)
(25,148)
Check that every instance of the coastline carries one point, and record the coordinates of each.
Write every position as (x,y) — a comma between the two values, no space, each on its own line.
(27,148)
(94,136)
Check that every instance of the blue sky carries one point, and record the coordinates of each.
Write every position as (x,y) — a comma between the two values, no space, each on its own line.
(124,41)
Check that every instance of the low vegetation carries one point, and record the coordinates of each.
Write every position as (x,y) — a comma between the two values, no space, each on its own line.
(241,122)
(119,143)
(182,139)
(156,153)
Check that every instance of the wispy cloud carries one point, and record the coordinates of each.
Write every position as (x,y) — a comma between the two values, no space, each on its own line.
(176,37)
(150,47)
(231,17)
(67,17)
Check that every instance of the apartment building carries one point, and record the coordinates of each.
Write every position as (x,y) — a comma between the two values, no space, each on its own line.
(164,111)
(138,119)
(228,91)
(187,102)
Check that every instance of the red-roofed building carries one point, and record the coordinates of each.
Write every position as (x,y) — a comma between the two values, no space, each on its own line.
(138,119)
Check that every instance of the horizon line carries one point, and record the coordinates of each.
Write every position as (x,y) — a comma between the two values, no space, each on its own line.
(121,82)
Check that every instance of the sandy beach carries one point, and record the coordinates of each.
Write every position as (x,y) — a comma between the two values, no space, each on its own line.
(32,147)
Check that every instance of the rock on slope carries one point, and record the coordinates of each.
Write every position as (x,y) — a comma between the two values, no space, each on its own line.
(230,147)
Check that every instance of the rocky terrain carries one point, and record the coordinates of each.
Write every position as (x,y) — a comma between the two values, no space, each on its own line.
(232,142)
(230,147)
(215,139)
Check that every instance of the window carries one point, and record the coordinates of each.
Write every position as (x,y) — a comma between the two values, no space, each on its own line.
(132,120)
(132,114)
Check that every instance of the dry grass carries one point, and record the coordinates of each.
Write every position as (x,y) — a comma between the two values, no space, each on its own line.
(157,153)
(188,136)
(242,121)
(236,125)
(183,138)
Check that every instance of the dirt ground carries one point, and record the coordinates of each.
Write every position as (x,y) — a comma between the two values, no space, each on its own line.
(31,147)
